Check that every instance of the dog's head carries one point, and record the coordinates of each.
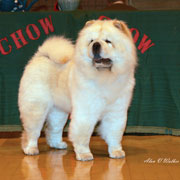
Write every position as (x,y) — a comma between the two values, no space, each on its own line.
(106,45)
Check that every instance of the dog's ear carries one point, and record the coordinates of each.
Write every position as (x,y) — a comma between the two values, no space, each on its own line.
(89,23)
(123,27)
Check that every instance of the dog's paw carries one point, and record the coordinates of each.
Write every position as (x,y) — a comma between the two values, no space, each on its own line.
(31,151)
(59,145)
(117,154)
(84,156)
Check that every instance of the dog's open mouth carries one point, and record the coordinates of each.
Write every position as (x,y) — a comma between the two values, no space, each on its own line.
(102,63)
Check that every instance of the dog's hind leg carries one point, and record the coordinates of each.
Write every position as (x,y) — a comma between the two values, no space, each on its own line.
(33,119)
(54,129)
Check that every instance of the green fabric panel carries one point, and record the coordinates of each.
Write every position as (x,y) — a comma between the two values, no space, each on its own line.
(156,102)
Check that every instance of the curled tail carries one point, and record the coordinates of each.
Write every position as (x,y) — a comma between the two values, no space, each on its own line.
(57,49)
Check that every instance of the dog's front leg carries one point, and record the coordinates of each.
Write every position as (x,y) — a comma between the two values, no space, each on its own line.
(113,126)
(81,128)
(87,107)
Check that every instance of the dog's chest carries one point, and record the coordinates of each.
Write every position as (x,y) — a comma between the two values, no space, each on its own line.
(110,92)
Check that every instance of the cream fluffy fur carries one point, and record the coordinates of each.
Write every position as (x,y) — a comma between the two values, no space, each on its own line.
(61,79)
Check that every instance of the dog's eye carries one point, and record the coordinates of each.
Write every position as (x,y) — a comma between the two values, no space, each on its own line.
(107,41)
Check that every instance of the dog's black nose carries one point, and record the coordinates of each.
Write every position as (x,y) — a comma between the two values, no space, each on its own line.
(96,48)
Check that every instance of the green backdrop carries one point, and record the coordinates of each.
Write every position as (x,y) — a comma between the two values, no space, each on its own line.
(156,102)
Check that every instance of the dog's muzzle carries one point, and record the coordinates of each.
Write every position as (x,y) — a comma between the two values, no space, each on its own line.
(98,61)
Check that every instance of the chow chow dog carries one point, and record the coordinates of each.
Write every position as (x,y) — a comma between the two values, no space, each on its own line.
(93,80)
